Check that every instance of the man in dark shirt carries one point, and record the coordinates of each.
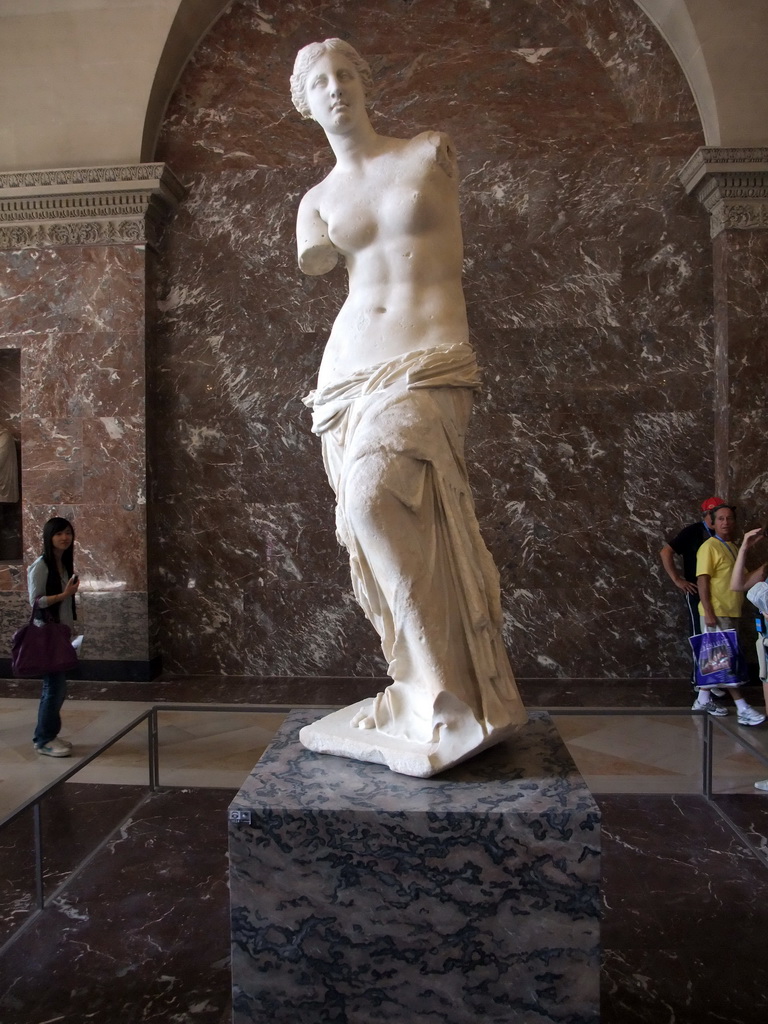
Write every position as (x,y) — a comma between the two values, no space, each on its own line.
(686,544)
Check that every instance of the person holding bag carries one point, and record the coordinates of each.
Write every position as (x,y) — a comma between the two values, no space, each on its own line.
(720,608)
(53,585)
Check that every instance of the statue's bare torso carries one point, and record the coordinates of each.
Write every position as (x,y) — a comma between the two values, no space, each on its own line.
(393,215)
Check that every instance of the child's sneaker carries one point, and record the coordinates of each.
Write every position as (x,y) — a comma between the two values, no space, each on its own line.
(711,708)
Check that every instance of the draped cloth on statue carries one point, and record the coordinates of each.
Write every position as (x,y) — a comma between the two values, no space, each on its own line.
(393,448)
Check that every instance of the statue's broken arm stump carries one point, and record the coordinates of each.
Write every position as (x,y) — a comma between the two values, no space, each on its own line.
(359,895)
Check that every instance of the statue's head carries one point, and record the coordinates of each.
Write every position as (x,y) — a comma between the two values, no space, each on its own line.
(307,56)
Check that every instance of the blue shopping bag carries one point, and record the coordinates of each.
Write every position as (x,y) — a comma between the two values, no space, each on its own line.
(717,657)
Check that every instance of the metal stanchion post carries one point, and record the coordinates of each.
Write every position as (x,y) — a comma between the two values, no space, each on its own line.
(707,757)
(39,888)
(154,765)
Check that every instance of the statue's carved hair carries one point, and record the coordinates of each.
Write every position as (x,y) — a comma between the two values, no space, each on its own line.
(307,56)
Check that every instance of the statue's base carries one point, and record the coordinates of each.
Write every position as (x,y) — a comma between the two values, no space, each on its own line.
(335,734)
(363,896)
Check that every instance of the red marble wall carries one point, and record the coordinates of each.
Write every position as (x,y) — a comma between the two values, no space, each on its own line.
(588,280)
(741,315)
(77,316)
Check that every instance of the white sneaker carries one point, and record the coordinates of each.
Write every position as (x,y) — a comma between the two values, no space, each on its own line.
(54,748)
(711,708)
(59,739)
(750,717)
(762,784)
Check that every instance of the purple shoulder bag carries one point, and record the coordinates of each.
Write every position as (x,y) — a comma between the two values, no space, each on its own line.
(38,650)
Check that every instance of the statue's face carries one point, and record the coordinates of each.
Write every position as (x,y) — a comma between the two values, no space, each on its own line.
(335,94)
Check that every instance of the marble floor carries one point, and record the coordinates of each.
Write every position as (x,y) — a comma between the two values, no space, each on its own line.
(141,933)
(196,748)
(616,753)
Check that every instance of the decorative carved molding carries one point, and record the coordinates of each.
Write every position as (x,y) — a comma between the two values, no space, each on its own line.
(87,206)
(731,184)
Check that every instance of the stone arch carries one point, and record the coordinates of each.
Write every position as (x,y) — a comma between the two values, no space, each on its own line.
(193,20)
(732,101)
(721,50)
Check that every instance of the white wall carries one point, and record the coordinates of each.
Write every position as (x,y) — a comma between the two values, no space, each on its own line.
(721,46)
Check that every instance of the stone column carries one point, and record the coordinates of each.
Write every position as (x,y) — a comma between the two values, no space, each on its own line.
(77,250)
(732,184)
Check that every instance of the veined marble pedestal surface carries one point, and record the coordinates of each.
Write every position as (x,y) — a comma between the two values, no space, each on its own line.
(361,896)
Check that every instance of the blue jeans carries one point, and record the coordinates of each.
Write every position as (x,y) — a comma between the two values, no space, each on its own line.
(48,717)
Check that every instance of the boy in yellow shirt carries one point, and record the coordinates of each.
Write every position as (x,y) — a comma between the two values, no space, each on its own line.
(719,606)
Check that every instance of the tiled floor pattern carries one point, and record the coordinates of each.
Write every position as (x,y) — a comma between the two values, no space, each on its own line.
(618,753)
(142,935)
(201,749)
(660,753)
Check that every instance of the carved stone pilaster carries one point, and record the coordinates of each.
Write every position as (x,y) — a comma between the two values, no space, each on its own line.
(87,206)
(732,185)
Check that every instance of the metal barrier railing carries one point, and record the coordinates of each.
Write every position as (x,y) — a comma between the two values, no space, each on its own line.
(743,739)
(150,716)
(34,804)
(77,767)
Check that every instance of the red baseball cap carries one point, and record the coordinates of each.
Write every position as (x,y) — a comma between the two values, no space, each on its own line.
(711,504)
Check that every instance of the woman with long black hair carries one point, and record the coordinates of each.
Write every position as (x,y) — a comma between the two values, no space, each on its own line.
(53,584)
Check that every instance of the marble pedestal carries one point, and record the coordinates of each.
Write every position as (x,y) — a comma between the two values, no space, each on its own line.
(361,896)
